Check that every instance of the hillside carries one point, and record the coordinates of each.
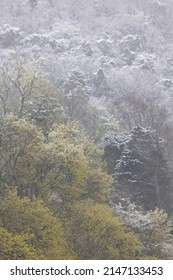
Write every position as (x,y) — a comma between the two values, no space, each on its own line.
(86,134)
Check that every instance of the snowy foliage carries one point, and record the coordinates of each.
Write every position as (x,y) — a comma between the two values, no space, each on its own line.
(154,227)
(107,65)
(140,166)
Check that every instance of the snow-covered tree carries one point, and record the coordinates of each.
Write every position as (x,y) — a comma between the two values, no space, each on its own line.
(154,228)
(141,167)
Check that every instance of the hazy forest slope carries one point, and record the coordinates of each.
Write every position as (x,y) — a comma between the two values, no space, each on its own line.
(86,134)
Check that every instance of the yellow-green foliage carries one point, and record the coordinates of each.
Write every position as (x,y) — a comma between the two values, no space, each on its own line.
(160,228)
(96,233)
(82,168)
(16,247)
(156,235)
(51,159)
(21,144)
(67,161)
(22,217)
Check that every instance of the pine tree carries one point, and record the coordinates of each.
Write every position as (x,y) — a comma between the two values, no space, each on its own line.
(141,167)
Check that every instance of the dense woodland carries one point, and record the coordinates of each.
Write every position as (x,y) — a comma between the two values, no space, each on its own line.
(86,132)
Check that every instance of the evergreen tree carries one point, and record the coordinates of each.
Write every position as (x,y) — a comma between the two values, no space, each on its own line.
(141,167)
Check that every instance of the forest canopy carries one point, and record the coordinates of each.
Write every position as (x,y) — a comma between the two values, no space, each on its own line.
(86,134)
